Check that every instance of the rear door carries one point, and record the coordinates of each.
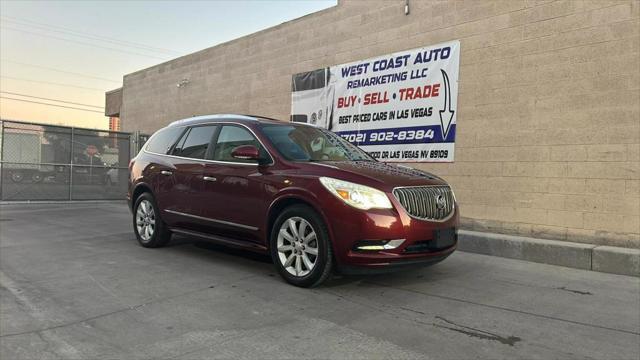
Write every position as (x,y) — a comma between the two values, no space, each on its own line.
(234,197)
(157,172)
(185,180)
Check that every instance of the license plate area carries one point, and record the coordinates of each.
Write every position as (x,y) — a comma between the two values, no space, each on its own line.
(443,238)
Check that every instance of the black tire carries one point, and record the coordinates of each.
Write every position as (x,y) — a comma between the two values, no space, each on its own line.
(161,234)
(17,177)
(36,178)
(323,267)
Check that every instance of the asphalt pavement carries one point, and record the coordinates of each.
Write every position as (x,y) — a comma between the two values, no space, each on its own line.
(74,284)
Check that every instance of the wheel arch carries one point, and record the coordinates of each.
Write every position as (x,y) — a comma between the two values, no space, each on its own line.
(281,203)
(139,189)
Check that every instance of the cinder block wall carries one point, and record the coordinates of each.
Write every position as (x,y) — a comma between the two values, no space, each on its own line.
(548,138)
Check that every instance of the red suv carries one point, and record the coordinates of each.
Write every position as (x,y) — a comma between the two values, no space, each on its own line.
(305,195)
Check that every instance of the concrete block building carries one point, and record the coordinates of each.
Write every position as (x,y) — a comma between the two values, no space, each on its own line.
(548,128)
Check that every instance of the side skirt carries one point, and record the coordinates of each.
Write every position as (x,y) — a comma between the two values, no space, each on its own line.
(238,244)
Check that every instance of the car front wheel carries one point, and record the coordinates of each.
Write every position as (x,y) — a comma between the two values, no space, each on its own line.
(300,247)
(150,230)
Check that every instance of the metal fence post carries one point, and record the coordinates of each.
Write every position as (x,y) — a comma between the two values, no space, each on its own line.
(2,175)
(73,130)
(136,142)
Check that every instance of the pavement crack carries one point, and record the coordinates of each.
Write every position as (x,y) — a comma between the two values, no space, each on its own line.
(47,344)
(412,310)
(574,291)
(503,308)
(477,333)
(105,289)
(466,330)
(508,281)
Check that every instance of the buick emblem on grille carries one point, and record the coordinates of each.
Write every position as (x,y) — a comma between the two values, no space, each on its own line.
(430,202)
(440,202)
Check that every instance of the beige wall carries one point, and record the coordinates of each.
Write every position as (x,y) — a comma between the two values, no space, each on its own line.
(548,136)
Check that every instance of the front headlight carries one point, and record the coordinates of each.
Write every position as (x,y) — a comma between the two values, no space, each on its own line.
(358,196)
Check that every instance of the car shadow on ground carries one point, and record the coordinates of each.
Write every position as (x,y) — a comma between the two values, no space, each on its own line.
(404,276)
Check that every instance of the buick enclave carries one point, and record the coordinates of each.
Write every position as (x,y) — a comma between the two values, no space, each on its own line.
(313,201)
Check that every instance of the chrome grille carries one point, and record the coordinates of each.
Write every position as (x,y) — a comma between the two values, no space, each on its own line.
(422,201)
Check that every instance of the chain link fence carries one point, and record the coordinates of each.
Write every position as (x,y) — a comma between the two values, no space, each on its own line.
(50,162)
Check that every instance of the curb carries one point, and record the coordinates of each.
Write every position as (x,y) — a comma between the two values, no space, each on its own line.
(608,259)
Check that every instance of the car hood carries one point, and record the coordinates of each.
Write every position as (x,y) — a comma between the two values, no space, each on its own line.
(384,175)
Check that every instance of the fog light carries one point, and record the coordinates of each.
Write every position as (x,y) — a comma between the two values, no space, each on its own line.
(377,245)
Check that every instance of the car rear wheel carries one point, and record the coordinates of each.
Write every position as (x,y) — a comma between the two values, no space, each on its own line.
(300,247)
(17,177)
(149,228)
(36,177)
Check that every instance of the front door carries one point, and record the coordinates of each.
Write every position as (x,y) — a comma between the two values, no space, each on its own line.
(234,195)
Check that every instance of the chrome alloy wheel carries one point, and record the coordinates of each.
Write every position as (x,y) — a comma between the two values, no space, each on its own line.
(297,246)
(145,220)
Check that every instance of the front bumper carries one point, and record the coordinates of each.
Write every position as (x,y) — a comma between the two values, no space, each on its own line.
(350,226)
(397,265)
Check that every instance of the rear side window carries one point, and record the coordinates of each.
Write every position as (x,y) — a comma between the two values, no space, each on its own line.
(162,140)
(195,143)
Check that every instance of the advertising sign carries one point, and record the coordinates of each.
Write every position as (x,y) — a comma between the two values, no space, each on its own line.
(399,107)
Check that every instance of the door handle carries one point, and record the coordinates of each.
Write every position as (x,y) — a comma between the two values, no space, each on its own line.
(165,172)
(209,178)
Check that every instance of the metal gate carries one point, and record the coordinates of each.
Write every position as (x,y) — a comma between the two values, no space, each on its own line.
(51,162)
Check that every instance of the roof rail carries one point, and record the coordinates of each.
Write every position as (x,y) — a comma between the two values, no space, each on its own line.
(214,117)
(261,117)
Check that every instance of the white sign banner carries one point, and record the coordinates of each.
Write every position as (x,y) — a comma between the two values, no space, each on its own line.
(399,107)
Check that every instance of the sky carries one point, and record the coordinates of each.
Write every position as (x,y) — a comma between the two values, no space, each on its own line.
(75,51)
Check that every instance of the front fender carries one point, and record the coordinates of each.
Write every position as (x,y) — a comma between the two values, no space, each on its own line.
(310,196)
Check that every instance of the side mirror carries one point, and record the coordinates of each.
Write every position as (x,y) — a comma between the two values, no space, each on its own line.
(246,152)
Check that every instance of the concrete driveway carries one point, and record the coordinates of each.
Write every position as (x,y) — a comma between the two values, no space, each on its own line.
(76,285)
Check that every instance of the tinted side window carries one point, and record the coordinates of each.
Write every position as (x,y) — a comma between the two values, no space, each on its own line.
(196,142)
(177,148)
(162,140)
(230,138)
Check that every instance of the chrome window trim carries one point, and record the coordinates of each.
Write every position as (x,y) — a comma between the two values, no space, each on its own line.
(453,206)
(218,161)
(318,163)
(212,220)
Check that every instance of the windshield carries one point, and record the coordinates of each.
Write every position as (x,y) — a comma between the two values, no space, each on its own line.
(307,143)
